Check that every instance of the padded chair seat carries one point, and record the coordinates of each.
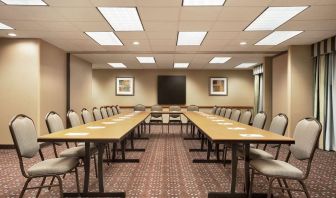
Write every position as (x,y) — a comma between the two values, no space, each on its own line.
(77,151)
(56,166)
(92,145)
(276,168)
(155,119)
(259,154)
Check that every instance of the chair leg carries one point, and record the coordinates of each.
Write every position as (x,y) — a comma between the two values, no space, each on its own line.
(77,180)
(288,191)
(269,192)
(95,165)
(51,182)
(280,184)
(304,188)
(168,126)
(224,154)
(162,127)
(25,187)
(60,185)
(181,128)
(251,184)
(39,190)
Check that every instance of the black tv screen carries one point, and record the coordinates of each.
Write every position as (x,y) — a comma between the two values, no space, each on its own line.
(171,90)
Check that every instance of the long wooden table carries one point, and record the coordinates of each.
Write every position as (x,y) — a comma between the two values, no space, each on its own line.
(110,130)
(221,130)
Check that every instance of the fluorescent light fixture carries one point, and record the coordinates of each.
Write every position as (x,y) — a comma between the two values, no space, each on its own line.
(181,65)
(203,2)
(278,37)
(5,27)
(219,60)
(146,59)
(273,17)
(122,18)
(190,38)
(105,38)
(245,65)
(24,2)
(117,65)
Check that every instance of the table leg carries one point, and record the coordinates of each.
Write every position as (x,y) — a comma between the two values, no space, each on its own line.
(86,167)
(101,147)
(247,167)
(234,163)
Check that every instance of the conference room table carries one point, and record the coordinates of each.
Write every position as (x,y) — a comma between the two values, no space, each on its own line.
(110,130)
(220,130)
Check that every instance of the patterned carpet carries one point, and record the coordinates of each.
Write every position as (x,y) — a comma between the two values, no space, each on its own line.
(166,170)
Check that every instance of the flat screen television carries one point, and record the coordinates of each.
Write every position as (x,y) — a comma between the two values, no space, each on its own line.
(171,90)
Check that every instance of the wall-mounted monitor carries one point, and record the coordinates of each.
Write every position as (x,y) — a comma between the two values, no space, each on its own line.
(171,90)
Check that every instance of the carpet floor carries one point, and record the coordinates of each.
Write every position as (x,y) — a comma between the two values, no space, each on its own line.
(166,170)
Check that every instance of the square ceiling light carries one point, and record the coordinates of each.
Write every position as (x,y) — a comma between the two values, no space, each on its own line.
(245,65)
(190,38)
(181,65)
(146,59)
(219,60)
(25,2)
(105,38)
(278,37)
(122,18)
(117,65)
(5,27)
(203,2)
(273,17)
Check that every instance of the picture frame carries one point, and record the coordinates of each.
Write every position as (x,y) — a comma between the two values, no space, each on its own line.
(124,86)
(218,86)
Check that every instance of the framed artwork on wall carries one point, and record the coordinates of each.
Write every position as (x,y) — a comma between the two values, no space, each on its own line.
(218,86)
(125,86)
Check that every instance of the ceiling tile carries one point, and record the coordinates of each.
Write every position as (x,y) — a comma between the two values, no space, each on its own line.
(199,13)
(159,14)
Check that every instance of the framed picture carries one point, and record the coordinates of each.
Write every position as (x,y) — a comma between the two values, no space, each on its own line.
(218,86)
(125,86)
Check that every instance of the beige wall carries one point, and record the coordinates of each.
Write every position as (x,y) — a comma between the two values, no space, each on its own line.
(240,87)
(52,83)
(80,84)
(19,71)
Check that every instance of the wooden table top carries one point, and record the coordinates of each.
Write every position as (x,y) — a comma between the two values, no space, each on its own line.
(111,129)
(220,129)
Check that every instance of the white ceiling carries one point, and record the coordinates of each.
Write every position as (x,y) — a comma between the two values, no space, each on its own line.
(64,22)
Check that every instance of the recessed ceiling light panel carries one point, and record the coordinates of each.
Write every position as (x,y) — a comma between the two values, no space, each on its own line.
(278,37)
(146,59)
(122,18)
(117,65)
(5,27)
(203,2)
(219,60)
(246,65)
(273,17)
(105,38)
(190,38)
(181,65)
(25,2)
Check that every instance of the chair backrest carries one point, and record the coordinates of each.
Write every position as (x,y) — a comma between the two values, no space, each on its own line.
(139,107)
(228,113)
(174,108)
(118,109)
(104,112)
(192,108)
(222,112)
(306,135)
(213,111)
(24,136)
(115,110)
(279,124)
(109,111)
(156,108)
(73,118)
(259,120)
(218,111)
(235,115)
(245,118)
(54,122)
(86,116)
(97,114)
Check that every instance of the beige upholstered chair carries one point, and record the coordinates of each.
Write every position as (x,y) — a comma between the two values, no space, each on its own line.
(24,136)
(235,115)
(73,118)
(222,112)
(218,110)
(306,135)
(245,118)
(86,116)
(228,113)
(156,117)
(104,113)
(213,111)
(192,108)
(175,118)
(139,107)
(97,114)
(259,120)
(109,111)
(115,110)
(118,109)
